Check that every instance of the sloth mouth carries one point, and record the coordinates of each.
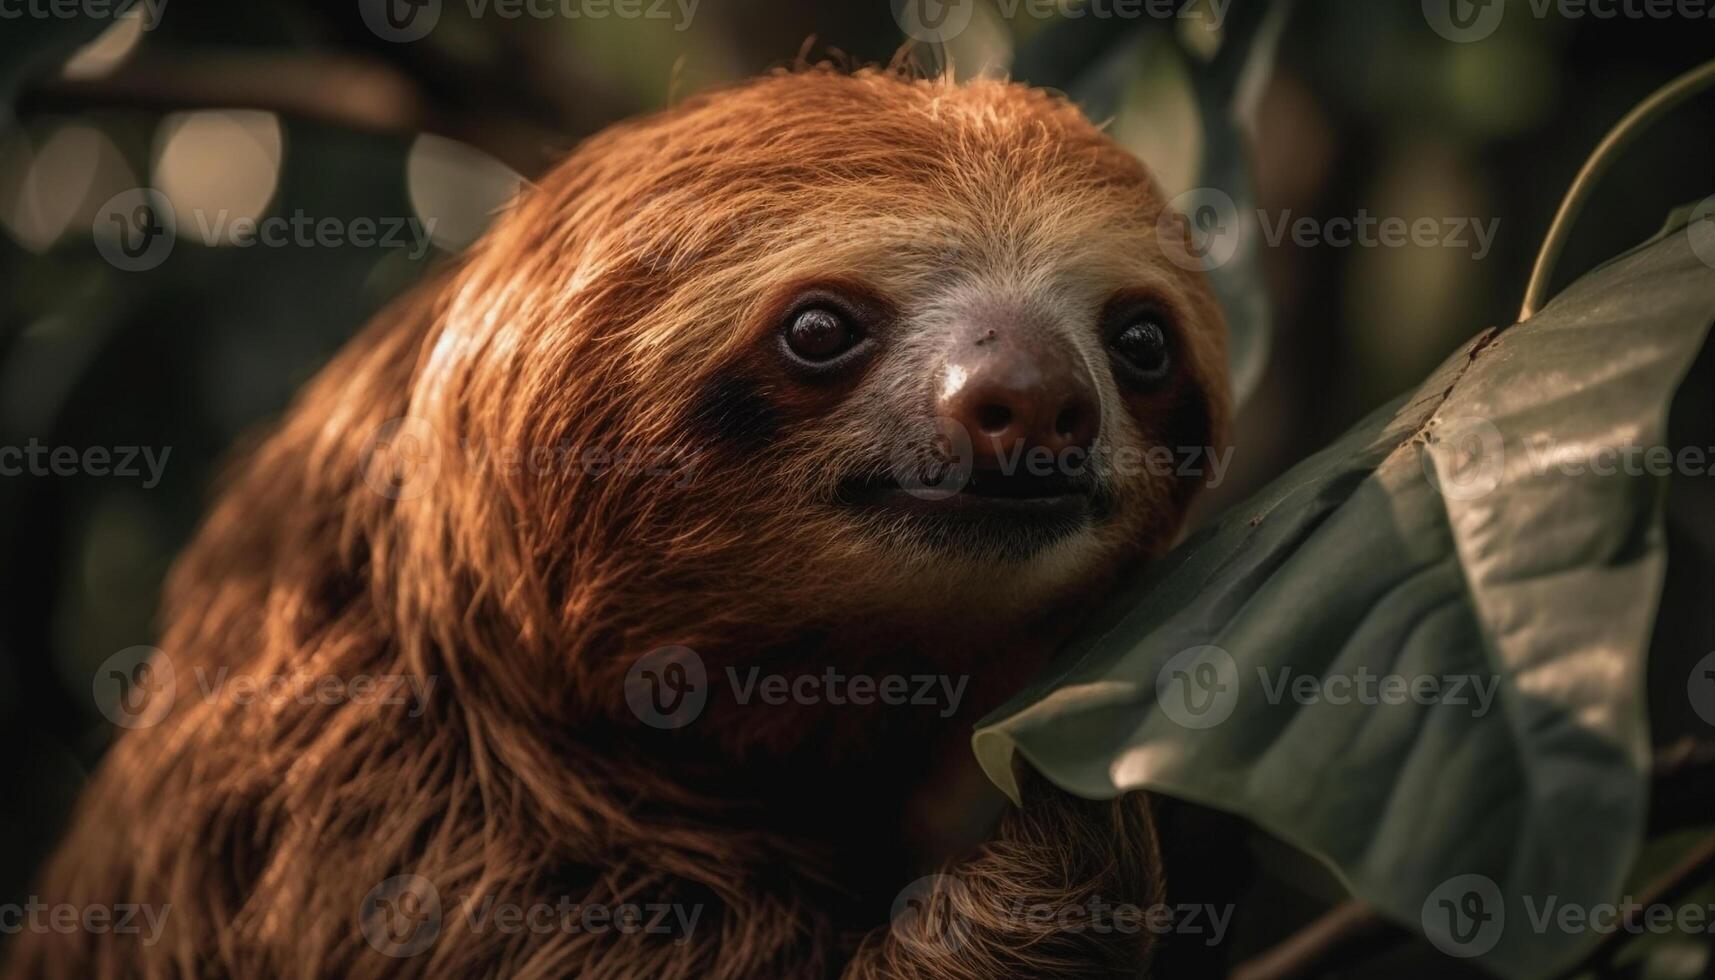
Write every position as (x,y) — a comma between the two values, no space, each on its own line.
(986,510)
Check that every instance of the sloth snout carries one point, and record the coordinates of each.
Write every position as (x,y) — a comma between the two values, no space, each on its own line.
(1013,387)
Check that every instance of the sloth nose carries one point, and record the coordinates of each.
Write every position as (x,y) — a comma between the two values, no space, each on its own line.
(1015,388)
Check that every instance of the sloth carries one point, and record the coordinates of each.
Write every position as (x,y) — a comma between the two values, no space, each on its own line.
(831,372)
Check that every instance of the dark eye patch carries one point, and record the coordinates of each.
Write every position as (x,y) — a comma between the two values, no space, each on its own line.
(827,331)
(734,409)
(1140,332)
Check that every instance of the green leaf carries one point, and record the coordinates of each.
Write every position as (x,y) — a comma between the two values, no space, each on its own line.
(1444,539)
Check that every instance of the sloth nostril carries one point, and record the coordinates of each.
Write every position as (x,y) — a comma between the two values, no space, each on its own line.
(994,419)
(1066,424)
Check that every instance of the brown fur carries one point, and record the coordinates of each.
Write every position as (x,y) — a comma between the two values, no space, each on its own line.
(604,310)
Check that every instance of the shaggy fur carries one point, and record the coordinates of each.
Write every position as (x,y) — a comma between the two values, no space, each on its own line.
(629,302)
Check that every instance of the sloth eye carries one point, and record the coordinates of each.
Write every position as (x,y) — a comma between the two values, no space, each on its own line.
(820,334)
(1143,349)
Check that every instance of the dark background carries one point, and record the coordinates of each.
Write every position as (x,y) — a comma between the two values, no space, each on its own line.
(1368,109)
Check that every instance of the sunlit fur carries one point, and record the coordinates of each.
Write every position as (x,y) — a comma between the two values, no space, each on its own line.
(650,264)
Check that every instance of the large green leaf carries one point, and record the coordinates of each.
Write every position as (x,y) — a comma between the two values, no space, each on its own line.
(1448,536)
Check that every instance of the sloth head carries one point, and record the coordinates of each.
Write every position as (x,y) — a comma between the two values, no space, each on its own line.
(824,343)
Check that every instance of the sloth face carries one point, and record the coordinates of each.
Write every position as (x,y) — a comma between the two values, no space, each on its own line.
(1002,453)
(920,339)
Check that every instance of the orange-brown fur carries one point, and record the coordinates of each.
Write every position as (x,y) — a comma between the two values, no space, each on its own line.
(594,314)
